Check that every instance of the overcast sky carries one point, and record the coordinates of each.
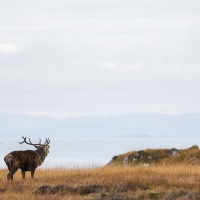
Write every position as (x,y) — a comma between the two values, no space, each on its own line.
(99,57)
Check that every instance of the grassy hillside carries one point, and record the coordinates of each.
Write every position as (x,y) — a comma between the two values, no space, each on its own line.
(110,182)
(160,156)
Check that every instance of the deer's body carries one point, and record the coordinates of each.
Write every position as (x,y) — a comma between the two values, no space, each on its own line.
(27,160)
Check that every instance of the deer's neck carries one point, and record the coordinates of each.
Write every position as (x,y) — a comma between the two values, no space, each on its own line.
(41,155)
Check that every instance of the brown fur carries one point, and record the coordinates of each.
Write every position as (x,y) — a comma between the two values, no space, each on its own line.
(27,160)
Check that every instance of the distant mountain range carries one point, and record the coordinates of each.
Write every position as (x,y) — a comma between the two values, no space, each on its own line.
(122,126)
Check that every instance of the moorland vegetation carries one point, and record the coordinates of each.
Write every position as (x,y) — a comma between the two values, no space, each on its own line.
(119,181)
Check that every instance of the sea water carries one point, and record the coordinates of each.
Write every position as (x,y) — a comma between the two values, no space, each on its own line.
(93,152)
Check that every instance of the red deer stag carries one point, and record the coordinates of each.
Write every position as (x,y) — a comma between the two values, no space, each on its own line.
(27,160)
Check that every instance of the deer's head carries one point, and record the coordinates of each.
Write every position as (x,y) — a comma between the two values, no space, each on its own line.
(38,146)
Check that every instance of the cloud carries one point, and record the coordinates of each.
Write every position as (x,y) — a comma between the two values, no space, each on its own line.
(120,67)
(98,56)
(9,48)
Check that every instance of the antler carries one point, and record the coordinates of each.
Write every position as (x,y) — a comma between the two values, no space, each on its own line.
(24,138)
(30,143)
(47,141)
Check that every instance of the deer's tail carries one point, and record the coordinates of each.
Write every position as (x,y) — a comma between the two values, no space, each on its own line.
(9,161)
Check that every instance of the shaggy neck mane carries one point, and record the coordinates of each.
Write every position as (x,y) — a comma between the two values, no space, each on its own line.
(41,154)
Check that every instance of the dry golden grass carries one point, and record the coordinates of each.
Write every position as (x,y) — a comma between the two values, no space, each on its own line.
(118,182)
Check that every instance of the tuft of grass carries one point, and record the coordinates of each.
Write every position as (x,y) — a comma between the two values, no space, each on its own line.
(109,182)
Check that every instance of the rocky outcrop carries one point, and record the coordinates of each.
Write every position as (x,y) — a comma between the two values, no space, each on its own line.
(159,156)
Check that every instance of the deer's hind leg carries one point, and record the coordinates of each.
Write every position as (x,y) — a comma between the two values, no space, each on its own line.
(11,173)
